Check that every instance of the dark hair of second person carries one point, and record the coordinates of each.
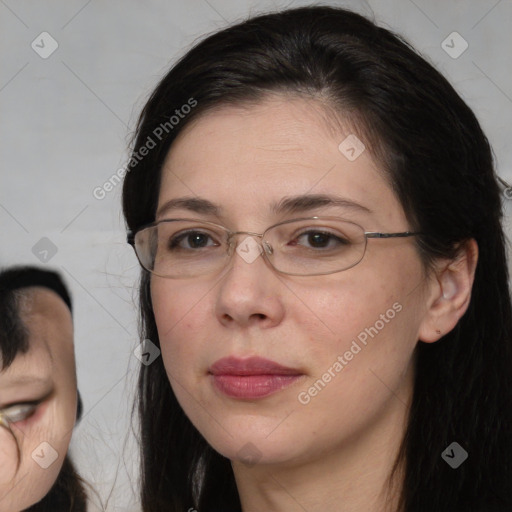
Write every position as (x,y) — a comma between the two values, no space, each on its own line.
(35,313)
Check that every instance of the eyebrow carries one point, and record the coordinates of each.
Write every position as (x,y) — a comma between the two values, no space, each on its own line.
(287,205)
(309,202)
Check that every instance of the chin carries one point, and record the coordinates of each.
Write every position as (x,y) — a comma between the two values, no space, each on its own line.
(252,450)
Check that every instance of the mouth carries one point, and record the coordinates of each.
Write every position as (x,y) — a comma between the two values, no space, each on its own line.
(251,378)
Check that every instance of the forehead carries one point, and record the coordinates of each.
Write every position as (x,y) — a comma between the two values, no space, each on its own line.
(42,304)
(49,326)
(278,127)
(245,158)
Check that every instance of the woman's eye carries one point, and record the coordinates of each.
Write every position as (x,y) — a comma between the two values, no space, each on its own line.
(321,240)
(19,412)
(191,240)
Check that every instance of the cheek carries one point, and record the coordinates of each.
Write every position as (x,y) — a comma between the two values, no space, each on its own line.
(8,457)
(45,444)
(174,300)
(51,427)
(32,485)
(26,478)
(338,312)
(181,313)
(190,335)
(44,440)
(359,335)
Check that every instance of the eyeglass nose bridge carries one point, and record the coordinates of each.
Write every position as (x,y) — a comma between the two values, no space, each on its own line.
(231,237)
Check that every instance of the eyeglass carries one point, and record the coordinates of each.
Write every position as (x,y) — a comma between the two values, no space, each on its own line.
(313,246)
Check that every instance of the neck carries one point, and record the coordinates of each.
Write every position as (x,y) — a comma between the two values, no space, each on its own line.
(353,476)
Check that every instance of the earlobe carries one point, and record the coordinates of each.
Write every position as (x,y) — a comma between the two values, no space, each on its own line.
(451,293)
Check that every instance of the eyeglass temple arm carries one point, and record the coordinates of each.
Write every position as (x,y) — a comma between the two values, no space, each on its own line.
(372,234)
(130,235)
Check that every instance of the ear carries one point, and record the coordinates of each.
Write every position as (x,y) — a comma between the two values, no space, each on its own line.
(450,293)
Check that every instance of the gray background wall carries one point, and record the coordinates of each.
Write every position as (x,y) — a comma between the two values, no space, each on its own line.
(65,122)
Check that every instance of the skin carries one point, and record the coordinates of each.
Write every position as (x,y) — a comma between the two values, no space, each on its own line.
(335,452)
(48,371)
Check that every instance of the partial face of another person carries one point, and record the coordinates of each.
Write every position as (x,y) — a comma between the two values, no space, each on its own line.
(346,339)
(38,400)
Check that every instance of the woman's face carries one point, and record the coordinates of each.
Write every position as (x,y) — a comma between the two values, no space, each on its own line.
(347,338)
(33,451)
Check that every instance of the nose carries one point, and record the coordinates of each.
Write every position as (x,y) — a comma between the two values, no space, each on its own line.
(250,293)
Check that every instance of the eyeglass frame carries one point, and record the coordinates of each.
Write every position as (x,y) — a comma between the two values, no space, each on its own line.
(130,239)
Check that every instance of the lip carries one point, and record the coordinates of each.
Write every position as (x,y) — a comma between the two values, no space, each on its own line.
(251,378)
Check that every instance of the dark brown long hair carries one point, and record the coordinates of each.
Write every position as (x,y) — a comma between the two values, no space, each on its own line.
(433,150)
(68,492)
